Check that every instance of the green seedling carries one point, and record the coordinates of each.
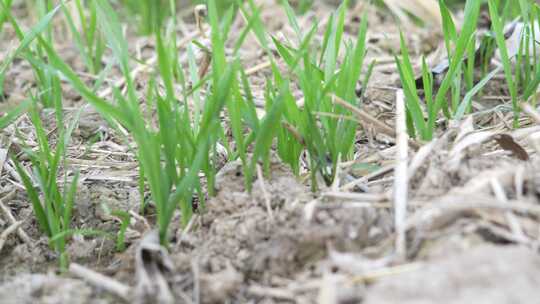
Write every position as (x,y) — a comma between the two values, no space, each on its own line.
(81,18)
(124,217)
(318,126)
(25,38)
(52,205)
(458,46)
(148,13)
(497,25)
(521,70)
(172,155)
(6,6)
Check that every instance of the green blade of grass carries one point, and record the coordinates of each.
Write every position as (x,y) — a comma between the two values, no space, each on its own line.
(39,211)
(70,201)
(14,113)
(472,11)
(466,103)
(497,26)
(28,36)
(268,130)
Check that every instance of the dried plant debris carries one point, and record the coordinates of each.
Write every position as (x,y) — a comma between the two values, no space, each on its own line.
(509,144)
(153,265)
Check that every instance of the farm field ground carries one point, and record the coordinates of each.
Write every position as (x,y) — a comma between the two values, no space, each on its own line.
(269,154)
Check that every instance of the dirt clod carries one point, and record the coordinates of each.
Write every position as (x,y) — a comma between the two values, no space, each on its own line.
(486,274)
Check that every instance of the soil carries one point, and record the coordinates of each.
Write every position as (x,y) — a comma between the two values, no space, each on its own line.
(472,228)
